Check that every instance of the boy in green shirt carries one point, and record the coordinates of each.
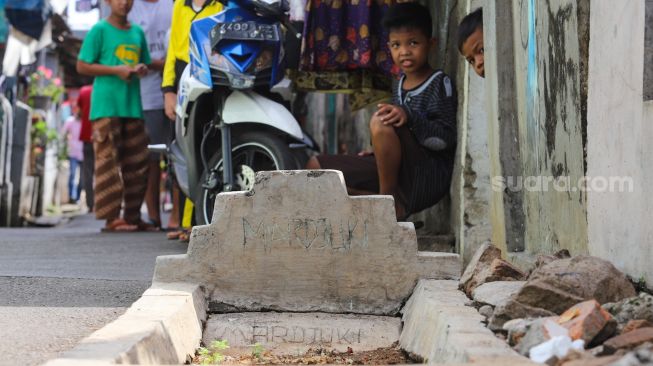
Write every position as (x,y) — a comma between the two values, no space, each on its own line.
(116,53)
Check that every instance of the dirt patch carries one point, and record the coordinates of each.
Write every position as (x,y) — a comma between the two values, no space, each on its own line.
(320,356)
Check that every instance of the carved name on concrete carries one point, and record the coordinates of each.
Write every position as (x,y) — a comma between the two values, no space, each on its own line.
(298,242)
(307,233)
(284,333)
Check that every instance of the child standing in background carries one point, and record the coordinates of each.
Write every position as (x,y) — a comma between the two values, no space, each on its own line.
(71,131)
(116,53)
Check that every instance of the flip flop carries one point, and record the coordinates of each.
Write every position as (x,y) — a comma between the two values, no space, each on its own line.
(119,226)
(174,235)
(149,227)
(170,229)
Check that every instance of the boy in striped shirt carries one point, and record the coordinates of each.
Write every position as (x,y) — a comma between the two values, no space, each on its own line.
(414,138)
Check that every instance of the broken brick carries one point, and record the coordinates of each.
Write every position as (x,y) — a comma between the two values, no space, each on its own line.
(482,259)
(586,321)
(500,269)
(628,340)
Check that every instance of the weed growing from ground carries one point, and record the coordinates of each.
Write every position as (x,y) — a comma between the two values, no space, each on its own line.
(257,351)
(213,354)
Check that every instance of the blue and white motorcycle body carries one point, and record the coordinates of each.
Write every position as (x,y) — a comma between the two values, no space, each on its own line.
(225,108)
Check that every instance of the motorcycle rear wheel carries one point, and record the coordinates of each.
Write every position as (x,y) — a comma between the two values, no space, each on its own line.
(251,152)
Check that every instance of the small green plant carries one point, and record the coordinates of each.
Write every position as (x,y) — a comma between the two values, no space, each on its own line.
(640,284)
(43,83)
(257,351)
(212,355)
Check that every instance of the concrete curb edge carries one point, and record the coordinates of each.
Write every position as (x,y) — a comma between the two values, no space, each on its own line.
(164,326)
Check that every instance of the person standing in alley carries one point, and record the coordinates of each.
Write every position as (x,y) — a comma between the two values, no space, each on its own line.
(88,165)
(154,17)
(116,53)
(183,14)
(71,131)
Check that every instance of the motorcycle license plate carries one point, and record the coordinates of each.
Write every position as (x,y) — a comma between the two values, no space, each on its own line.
(245,31)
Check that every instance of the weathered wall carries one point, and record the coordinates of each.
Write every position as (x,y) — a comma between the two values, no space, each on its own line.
(648,52)
(471,193)
(476,228)
(620,131)
(499,70)
(550,124)
(534,74)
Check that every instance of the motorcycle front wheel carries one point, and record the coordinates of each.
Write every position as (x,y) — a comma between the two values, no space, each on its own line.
(251,152)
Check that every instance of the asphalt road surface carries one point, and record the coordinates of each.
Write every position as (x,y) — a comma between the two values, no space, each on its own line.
(60,284)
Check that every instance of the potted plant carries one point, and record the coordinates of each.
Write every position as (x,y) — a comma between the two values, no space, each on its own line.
(44,88)
(40,136)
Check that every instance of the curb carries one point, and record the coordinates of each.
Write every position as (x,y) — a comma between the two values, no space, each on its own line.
(164,326)
(440,328)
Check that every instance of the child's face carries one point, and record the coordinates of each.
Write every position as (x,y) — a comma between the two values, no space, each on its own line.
(474,52)
(120,7)
(410,49)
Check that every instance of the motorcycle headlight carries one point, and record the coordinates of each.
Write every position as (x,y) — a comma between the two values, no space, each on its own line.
(262,62)
(237,79)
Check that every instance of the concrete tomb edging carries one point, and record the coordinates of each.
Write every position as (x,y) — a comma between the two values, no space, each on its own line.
(298,243)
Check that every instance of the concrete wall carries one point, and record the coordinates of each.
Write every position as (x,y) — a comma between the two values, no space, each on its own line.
(534,69)
(550,123)
(648,52)
(471,193)
(619,133)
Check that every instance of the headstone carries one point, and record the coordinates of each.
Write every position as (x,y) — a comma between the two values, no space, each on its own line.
(295,333)
(297,242)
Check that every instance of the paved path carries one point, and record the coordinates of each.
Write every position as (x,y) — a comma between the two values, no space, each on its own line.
(58,285)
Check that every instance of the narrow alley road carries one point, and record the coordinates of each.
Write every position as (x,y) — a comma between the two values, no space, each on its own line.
(58,285)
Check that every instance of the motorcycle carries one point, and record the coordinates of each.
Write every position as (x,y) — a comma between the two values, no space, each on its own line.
(228,123)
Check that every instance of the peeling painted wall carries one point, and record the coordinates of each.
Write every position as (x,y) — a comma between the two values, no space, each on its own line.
(535,70)
(548,53)
(619,134)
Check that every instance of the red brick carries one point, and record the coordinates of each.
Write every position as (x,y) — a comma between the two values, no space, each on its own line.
(629,340)
(586,320)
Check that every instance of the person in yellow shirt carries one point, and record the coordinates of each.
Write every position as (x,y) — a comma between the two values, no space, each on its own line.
(183,14)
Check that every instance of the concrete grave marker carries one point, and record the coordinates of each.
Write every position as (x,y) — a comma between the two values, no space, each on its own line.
(295,333)
(298,242)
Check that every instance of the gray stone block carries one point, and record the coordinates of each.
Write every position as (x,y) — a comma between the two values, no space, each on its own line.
(298,242)
(295,333)
(439,328)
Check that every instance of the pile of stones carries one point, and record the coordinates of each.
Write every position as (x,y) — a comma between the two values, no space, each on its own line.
(583,298)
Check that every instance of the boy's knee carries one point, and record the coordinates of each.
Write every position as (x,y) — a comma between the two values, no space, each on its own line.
(378,128)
